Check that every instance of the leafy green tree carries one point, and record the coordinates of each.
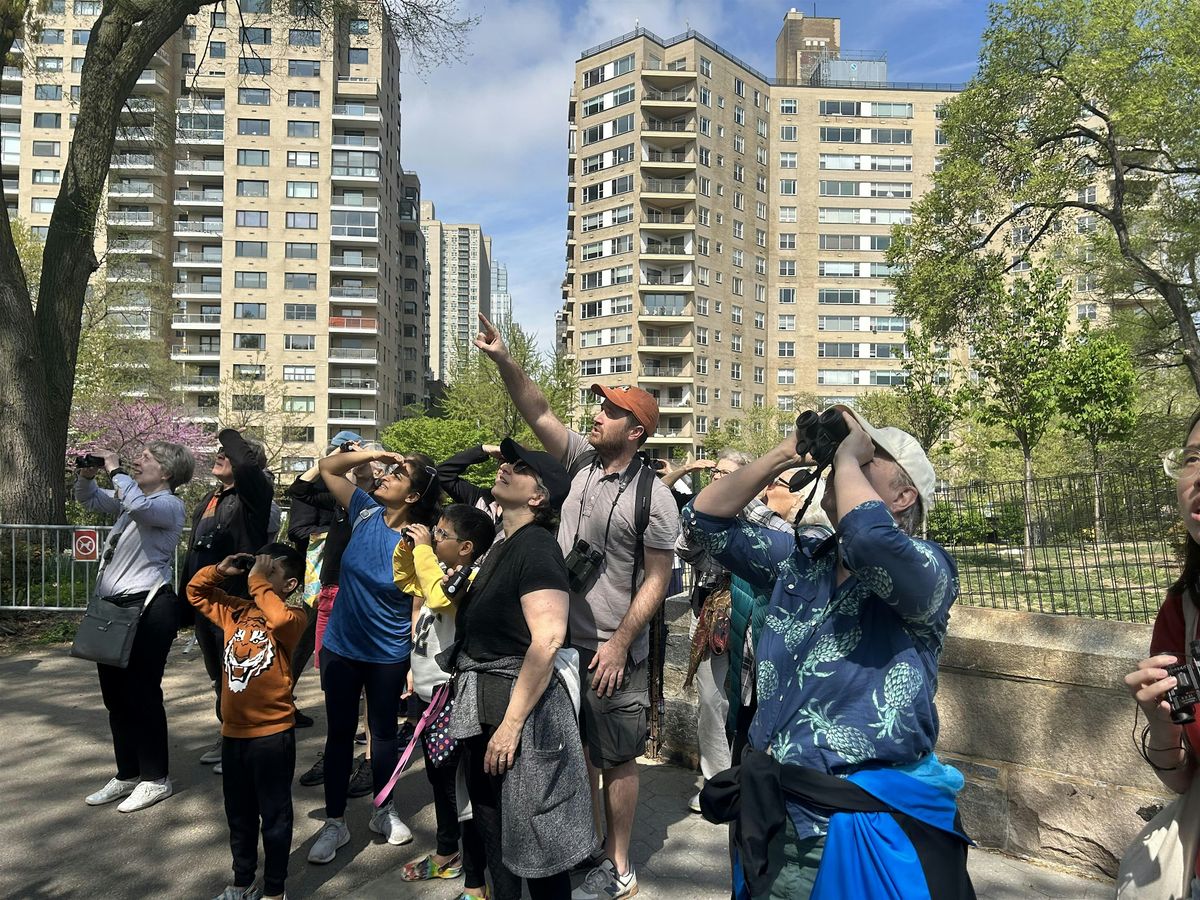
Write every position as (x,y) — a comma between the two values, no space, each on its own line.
(925,404)
(440,439)
(1078,136)
(476,394)
(1017,340)
(756,430)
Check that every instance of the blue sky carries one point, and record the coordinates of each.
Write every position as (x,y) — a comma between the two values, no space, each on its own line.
(488,135)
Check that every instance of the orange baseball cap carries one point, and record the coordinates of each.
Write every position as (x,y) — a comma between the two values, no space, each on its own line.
(637,401)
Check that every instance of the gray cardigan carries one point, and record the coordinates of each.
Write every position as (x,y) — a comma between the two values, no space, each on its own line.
(546,799)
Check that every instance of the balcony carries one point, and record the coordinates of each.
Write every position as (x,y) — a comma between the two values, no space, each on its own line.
(203,260)
(668,222)
(678,404)
(184,289)
(357,173)
(353,323)
(136,247)
(357,202)
(199,166)
(672,189)
(666,250)
(198,383)
(355,141)
(199,135)
(671,436)
(355,234)
(151,81)
(136,190)
(144,162)
(211,197)
(131,275)
(200,105)
(366,294)
(139,105)
(201,413)
(680,281)
(659,373)
(196,321)
(367,386)
(195,353)
(669,126)
(353,355)
(184,228)
(126,219)
(674,342)
(354,264)
(669,157)
(671,72)
(135,134)
(356,111)
(357,86)
(351,416)
(679,95)
(10,105)
(11,73)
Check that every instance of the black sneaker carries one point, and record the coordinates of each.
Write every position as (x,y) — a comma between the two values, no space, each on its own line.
(361,783)
(315,775)
(360,738)
(303,721)
(404,734)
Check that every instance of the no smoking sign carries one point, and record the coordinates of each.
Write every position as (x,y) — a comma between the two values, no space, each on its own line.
(86,545)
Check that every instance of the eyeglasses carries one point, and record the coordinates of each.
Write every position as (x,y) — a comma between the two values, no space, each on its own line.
(1181,462)
(442,534)
(720,473)
(781,482)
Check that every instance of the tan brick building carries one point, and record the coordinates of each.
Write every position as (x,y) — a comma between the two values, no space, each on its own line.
(257,195)
(726,230)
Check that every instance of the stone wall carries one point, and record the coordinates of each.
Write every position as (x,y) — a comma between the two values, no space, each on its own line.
(1034,713)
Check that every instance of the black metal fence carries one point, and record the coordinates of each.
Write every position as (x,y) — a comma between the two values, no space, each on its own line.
(1111,557)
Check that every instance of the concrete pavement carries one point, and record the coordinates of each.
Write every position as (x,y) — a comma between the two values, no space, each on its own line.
(57,750)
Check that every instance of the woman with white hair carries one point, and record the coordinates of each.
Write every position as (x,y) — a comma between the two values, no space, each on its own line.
(136,565)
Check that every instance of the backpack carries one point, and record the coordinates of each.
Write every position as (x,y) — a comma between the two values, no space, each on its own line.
(641,518)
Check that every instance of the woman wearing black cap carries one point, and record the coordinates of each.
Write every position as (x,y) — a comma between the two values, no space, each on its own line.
(516,714)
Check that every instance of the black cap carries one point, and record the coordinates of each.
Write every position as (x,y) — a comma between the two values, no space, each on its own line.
(548,469)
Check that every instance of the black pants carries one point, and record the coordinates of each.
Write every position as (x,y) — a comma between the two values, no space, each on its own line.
(304,649)
(133,695)
(258,787)
(485,803)
(449,829)
(344,681)
(212,647)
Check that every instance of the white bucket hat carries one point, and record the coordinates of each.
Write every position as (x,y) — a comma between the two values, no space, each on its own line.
(908,454)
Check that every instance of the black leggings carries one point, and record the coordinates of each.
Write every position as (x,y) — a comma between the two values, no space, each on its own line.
(485,803)
(133,696)
(258,784)
(344,680)
(211,639)
(449,828)
(304,649)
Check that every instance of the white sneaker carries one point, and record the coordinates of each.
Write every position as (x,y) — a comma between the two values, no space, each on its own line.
(387,821)
(603,883)
(694,803)
(212,754)
(147,793)
(114,790)
(333,834)
(218,769)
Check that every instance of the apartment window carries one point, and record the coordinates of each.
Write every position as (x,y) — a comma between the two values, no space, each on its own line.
(249,341)
(299,342)
(249,402)
(303,159)
(254,96)
(702,365)
(80,36)
(300,404)
(247,188)
(840,135)
(301,220)
(254,65)
(304,37)
(358,56)
(787,295)
(249,310)
(1086,312)
(41,205)
(253,157)
(303,129)
(891,135)
(251,218)
(787,107)
(786,376)
(251,249)
(255,280)
(788,132)
(787,323)
(735,399)
(298,434)
(255,35)
(254,126)
(786,349)
(735,371)
(705,67)
(305,99)
(46,148)
(300,251)
(360,26)
(302,190)
(787,267)
(51,36)
(47,120)
(787,240)
(787,187)
(299,281)
(87,7)
(304,68)
(47,92)
(300,312)
(46,176)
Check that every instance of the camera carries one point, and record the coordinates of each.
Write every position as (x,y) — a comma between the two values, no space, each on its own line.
(819,435)
(1186,693)
(582,563)
(89,461)
(458,582)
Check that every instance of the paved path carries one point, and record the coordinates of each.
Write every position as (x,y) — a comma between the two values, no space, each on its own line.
(56,750)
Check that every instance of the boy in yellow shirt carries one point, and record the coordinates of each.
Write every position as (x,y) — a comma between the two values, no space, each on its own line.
(460,538)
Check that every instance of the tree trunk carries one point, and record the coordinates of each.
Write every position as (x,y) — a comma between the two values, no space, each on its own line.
(1027,492)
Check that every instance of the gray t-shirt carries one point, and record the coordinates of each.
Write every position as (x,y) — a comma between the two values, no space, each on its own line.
(595,615)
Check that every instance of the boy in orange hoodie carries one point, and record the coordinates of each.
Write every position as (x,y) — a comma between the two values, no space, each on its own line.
(258,738)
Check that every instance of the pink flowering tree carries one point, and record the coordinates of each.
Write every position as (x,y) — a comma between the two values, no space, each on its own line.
(128,425)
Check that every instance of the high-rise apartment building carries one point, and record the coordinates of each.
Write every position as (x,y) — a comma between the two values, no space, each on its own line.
(256,194)
(460,289)
(726,230)
(501,298)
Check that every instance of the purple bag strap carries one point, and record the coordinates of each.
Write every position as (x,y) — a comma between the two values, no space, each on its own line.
(436,704)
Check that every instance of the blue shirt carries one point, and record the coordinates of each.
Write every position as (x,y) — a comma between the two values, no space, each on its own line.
(846,674)
(371,619)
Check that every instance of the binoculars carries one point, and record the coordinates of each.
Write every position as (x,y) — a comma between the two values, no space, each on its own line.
(819,434)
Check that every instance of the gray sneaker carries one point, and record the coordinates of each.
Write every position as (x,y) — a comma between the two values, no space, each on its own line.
(114,790)
(387,821)
(603,883)
(232,892)
(333,834)
(212,754)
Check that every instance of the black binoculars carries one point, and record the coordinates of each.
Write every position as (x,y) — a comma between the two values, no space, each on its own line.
(819,434)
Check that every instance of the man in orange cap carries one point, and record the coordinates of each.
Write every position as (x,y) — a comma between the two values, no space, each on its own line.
(613,598)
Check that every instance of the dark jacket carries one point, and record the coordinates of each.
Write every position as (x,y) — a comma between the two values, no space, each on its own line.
(318,496)
(306,518)
(458,488)
(241,518)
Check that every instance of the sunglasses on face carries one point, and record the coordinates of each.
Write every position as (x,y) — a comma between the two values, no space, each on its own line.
(520,467)
(221,457)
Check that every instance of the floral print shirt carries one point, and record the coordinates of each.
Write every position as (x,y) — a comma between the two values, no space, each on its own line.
(846,673)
